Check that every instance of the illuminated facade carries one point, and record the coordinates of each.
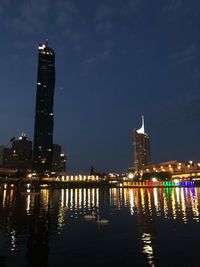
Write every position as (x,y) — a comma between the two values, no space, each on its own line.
(141,146)
(43,133)
(178,169)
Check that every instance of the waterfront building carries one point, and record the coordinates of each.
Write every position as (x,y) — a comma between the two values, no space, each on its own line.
(177,169)
(5,156)
(1,155)
(21,153)
(44,122)
(59,160)
(141,148)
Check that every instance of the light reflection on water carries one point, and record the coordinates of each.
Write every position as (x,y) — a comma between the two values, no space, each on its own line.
(51,211)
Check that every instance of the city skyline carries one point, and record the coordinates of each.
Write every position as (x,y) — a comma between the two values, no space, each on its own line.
(115,61)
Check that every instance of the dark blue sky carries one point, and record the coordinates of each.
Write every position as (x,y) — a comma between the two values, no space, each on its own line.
(115,60)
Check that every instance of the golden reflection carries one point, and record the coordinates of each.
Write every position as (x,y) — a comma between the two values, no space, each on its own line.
(174,212)
(4,198)
(28,201)
(82,200)
(171,203)
(44,193)
(195,205)
(11,198)
(147,248)
(142,199)
(183,206)
(149,202)
(165,206)
(61,212)
(131,202)
(155,196)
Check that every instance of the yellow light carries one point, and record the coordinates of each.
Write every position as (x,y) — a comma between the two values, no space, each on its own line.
(130,175)
(154,179)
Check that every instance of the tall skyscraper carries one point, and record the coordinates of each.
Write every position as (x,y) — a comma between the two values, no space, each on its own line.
(141,148)
(43,133)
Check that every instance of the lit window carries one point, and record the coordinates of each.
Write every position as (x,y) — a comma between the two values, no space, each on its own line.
(43,161)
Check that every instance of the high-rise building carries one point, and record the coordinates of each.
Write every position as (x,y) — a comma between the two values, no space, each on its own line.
(5,156)
(43,133)
(21,153)
(141,148)
(59,160)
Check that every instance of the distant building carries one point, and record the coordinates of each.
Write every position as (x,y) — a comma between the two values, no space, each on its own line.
(59,160)
(141,148)
(5,156)
(43,133)
(21,154)
(1,155)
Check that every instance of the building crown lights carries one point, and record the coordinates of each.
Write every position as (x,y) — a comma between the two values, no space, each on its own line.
(141,130)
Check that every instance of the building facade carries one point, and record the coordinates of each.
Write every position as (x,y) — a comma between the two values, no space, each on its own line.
(59,160)
(44,122)
(5,156)
(141,148)
(177,169)
(21,154)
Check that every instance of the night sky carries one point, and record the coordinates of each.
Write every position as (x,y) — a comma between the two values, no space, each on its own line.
(115,60)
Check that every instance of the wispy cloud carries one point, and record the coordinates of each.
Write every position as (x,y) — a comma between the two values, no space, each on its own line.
(66,12)
(31,17)
(104,19)
(92,61)
(101,56)
(35,17)
(186,55)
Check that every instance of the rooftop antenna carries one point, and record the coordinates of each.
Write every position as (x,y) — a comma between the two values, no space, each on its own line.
(46,42)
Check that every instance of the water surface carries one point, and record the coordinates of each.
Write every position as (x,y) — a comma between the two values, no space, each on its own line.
(147,227)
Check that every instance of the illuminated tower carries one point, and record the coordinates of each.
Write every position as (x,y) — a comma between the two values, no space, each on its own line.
(141,148)
(43,133)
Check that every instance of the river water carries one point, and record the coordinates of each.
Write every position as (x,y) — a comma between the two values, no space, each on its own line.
(147,227)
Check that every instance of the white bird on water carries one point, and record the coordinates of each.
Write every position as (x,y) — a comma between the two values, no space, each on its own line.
(102,221)
(90,216)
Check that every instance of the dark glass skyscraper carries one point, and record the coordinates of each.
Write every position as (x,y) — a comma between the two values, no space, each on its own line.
(141,146)
(43,133)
